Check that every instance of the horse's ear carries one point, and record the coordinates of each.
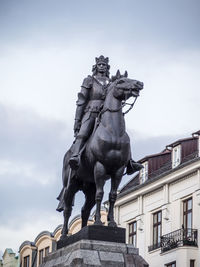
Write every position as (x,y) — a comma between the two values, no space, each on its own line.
(118,75)
(126,74)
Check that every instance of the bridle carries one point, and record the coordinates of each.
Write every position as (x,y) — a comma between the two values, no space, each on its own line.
(118,109)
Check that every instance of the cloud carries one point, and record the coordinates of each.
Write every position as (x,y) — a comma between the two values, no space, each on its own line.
(47,48)
(172,23)
(31,155)
(50,88)
(30,228)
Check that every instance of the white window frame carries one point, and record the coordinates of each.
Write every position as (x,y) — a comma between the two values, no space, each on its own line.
(144,172)
(176,156)
(135,233)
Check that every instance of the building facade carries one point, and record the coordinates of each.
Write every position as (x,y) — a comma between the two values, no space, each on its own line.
(160,206)
(31,254)
(9,259)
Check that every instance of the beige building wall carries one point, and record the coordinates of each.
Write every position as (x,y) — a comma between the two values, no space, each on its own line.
(43,243)
(166,194)
(24,252)
(57,235)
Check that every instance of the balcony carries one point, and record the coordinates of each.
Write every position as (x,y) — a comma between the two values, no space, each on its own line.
(179,238)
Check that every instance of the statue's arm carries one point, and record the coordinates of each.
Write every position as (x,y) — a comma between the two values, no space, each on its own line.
(83,98)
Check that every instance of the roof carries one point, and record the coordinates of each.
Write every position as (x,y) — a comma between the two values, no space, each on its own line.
(196,133)
(181,141)
(43,233)
(160,164)
(164,152)
(133,182)
(60,226)
(9,251)
(149,181)
(26,243)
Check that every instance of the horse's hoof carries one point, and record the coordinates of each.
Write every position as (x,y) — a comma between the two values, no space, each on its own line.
(63,237)
(98,223)
(112,224)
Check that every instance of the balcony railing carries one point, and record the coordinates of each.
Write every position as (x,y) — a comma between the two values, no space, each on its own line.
(178,238)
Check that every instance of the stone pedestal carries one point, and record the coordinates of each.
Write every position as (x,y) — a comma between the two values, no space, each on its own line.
(95,232)
(95,246)
(92,253)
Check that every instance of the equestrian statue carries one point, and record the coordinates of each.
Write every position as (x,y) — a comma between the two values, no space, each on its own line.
(101,149)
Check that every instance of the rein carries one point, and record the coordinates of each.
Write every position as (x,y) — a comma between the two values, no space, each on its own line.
(131,105)
(118,109)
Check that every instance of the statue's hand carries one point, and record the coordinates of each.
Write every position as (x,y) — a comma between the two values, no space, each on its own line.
(75,134)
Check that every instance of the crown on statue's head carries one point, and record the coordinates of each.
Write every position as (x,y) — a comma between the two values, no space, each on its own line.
(102,59)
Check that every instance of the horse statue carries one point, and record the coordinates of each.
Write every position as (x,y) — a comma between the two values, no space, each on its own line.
(105,156)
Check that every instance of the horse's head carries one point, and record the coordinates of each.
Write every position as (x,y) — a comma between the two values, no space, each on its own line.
(125,87)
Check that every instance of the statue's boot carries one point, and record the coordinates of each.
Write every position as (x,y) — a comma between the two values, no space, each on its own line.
(133,167)
(74,161)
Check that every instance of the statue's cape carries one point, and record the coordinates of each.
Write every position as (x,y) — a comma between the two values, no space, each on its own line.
(65,177)
(61,200)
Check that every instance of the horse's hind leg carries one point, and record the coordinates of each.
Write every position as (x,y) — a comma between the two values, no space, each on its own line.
(100,177)
(68,199)
(115,181)
(89,202)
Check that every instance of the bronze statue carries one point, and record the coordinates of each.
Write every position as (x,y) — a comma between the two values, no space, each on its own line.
(89,103)
(102,147)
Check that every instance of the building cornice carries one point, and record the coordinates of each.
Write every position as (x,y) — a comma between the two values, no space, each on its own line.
(59,227)
(26,244)
(42,235)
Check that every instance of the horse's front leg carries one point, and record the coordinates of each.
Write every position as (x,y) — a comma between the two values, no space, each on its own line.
(89,192)
(99,176)
(115,181)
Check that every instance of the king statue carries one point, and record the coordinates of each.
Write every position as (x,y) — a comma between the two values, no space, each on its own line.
(89,104)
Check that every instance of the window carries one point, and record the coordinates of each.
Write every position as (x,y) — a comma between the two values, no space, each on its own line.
(132,233)
(26,261)
(144,172)
(176,156)
(172,264)
(43,253)
(187,213)
(192,263)
(157,229)
(46,251)
(41,257)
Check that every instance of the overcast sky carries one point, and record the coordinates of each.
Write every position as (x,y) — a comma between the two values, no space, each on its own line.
(47,47)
